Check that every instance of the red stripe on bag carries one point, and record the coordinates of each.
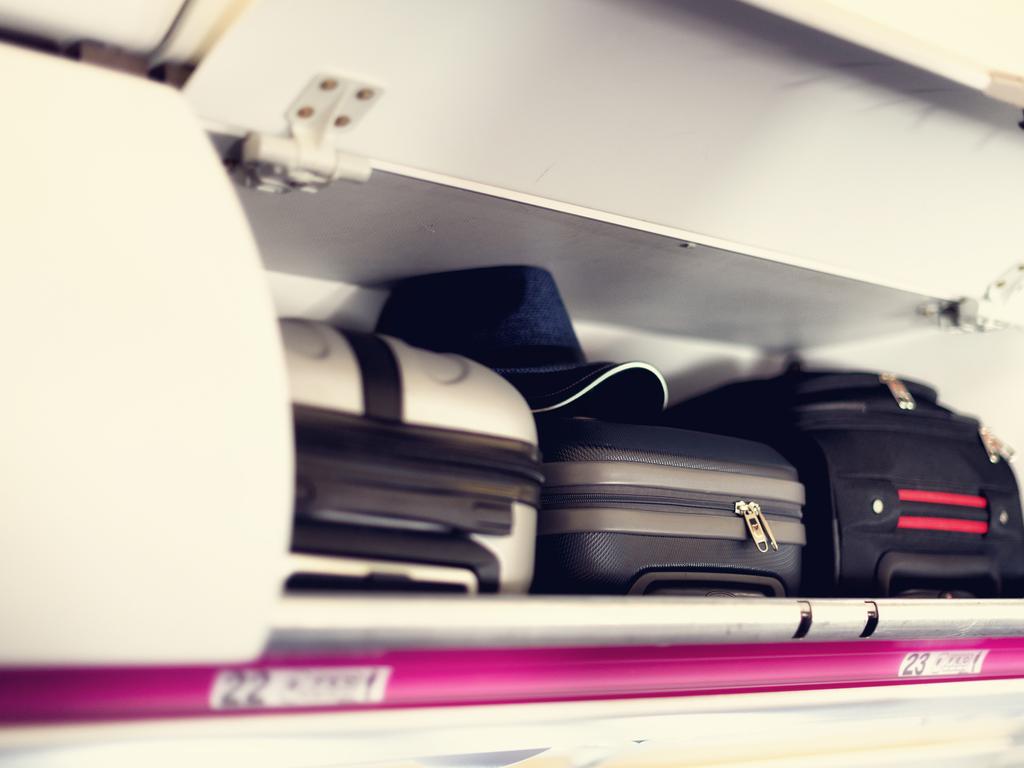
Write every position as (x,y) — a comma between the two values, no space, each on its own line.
(938,497)
(943,524)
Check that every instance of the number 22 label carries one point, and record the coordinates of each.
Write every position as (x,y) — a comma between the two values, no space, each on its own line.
(283,687)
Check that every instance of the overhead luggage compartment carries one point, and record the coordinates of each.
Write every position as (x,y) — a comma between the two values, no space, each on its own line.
(715,190)
(711,122)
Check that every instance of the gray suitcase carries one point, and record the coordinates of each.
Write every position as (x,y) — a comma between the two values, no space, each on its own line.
(655,510)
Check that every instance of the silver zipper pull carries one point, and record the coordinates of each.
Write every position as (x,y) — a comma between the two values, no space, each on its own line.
(750,511)
(768,530)
(994,447)
(899,391)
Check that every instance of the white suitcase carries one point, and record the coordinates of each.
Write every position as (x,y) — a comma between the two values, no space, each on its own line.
(415,471)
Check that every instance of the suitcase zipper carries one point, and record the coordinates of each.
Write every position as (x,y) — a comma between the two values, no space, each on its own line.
(994,447)
(836,416)
(899,391)
(345,435)
(751,511)
(757,524)
(835,385)
(567,500)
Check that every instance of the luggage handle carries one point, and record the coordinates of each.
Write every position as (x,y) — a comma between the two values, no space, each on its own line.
(695,582)
(950,569)
(343,501)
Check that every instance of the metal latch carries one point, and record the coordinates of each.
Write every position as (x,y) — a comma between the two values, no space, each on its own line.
(899,391)
(999,309)
(308,159)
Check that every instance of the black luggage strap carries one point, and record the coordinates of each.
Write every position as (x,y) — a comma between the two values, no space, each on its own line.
(382,380)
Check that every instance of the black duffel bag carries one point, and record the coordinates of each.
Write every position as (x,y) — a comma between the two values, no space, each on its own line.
(904,496)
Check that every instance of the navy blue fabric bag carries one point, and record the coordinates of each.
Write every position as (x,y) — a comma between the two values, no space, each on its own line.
(513,319)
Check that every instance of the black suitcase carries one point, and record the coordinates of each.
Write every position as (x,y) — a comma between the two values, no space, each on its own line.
(904,496)
(650,510)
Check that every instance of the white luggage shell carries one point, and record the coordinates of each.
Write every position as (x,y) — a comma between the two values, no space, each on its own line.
(444,394)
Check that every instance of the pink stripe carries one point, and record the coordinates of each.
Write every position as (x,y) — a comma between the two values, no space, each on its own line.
(460,677)
(939,497)
(942,524)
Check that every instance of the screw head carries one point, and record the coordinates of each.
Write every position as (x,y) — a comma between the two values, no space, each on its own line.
(342,120)
(878,506)
(364,94)
(305,112)
(328,85)
(1004,517)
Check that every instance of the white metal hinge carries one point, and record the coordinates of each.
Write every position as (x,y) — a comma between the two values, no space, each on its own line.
(1001,306)
(308,159)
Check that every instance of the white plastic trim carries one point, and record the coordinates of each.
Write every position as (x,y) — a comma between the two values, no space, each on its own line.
(147,439)
(604,377)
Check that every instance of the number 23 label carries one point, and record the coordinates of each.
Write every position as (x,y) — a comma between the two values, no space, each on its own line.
(942,663)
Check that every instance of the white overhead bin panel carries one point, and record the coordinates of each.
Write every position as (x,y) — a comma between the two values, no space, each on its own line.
(395,226)
(135,25)
(147,448)
(712,122)
(975,44)
(155,30)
